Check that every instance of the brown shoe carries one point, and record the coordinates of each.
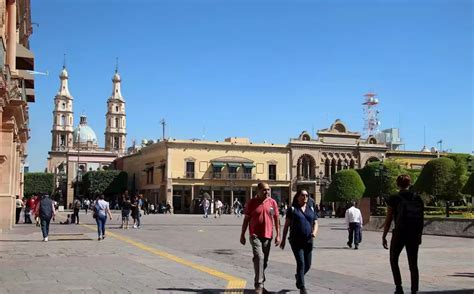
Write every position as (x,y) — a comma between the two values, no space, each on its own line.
(259,290)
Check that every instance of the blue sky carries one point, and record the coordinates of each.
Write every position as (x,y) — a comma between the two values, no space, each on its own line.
(266,70)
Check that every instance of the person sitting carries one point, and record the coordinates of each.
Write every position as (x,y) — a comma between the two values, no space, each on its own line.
(67,221)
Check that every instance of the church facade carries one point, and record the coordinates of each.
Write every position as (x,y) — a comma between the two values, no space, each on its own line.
(75,151)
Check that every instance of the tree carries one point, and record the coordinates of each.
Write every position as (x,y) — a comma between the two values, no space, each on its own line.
(380,178)
(36,183)
(107,182)
(440,177)
(346,185)
(469,186)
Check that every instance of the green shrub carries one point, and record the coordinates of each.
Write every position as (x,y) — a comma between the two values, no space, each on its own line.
(107,182)
(346,185)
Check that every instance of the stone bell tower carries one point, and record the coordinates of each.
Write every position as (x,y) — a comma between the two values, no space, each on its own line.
(115,125)
(63,121)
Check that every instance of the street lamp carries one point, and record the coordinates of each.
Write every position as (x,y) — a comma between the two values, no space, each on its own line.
(380,172)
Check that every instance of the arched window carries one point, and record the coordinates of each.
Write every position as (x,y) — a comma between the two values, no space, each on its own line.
(63,120)
(306,167)
(117,123)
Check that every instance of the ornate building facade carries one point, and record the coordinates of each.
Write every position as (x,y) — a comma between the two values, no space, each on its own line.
(16,91)
(75,151)
(315,161)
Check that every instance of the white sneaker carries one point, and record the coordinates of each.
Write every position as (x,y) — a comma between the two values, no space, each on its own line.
(134,226)
(45,239)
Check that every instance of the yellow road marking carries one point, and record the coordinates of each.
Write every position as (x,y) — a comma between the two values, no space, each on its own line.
(234,284)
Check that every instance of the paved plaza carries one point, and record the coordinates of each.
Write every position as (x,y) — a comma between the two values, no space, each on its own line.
(190,254)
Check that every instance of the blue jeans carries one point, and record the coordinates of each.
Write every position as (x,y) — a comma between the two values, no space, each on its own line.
(303,253)
(138,218)
(354,233)
(101,219)
(45,226)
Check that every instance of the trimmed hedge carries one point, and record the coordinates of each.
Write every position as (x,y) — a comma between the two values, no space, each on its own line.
(107,182)
(346,185)
(36,183)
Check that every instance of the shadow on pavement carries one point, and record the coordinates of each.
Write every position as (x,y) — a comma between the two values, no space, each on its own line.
(332,247)
(465,275)
(246,291)
(470,291)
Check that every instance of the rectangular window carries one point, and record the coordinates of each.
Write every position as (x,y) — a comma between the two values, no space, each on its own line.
(149,175)
(190,169)
(272,172)
(216,171)
(247,173)
(232,172)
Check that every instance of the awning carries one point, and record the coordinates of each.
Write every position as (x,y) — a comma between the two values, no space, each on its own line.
(234,164)
(248,165)
(218,164)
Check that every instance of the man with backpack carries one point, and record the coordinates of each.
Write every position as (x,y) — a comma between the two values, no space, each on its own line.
(407,209)
(45,211)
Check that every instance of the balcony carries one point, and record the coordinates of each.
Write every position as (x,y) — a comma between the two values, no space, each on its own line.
(231,176)
(190,175)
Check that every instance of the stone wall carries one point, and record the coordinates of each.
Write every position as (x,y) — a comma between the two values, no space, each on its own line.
(433,226)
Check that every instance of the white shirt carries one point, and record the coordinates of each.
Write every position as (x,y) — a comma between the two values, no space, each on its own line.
(353,215)
(218,204)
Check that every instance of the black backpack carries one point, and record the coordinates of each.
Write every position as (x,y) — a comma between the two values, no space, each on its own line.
(410,213)
(46,208)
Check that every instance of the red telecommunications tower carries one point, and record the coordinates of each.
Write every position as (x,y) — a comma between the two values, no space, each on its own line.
(371,120)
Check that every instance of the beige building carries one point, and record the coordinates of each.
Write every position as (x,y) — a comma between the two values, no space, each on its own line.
(315,160)
(180,171)
(16,90)
(413,159)
(75,151)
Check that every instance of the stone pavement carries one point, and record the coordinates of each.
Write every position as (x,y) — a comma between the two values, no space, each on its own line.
(189,254)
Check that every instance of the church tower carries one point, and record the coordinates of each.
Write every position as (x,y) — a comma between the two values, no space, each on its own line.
(115,125)
(63,123)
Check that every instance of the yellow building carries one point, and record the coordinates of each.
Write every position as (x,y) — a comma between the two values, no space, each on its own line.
(180,171)
(413,159)
(16,90)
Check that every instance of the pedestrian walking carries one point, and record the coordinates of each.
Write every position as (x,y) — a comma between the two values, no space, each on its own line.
(126,208)
(218,210)
(261,216)
(302,220)
(87,202)
(76,208)
(407,209)
(205,206)
(28,210)
(101,209)
(354,224)
(237,208)
(19,206)
(45,211)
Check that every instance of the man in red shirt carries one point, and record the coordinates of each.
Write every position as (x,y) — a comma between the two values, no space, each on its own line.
(261,214)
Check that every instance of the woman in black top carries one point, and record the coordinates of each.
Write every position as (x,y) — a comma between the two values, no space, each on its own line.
(302,218)
(126,207)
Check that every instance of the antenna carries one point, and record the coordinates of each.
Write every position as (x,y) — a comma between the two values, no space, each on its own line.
(371,120)
(64,61)
(424,136)
(116,64)
(163,124)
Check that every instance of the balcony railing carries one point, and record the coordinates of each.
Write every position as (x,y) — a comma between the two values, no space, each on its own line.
(231,176)
(190,175)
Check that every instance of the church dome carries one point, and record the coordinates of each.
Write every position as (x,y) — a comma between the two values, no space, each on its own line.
(84,134)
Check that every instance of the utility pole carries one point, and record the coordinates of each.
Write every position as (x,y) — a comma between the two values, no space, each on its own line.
(163,124)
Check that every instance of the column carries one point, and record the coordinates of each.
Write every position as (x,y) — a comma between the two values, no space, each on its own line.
(11,38)
(212,200)
(191,208)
